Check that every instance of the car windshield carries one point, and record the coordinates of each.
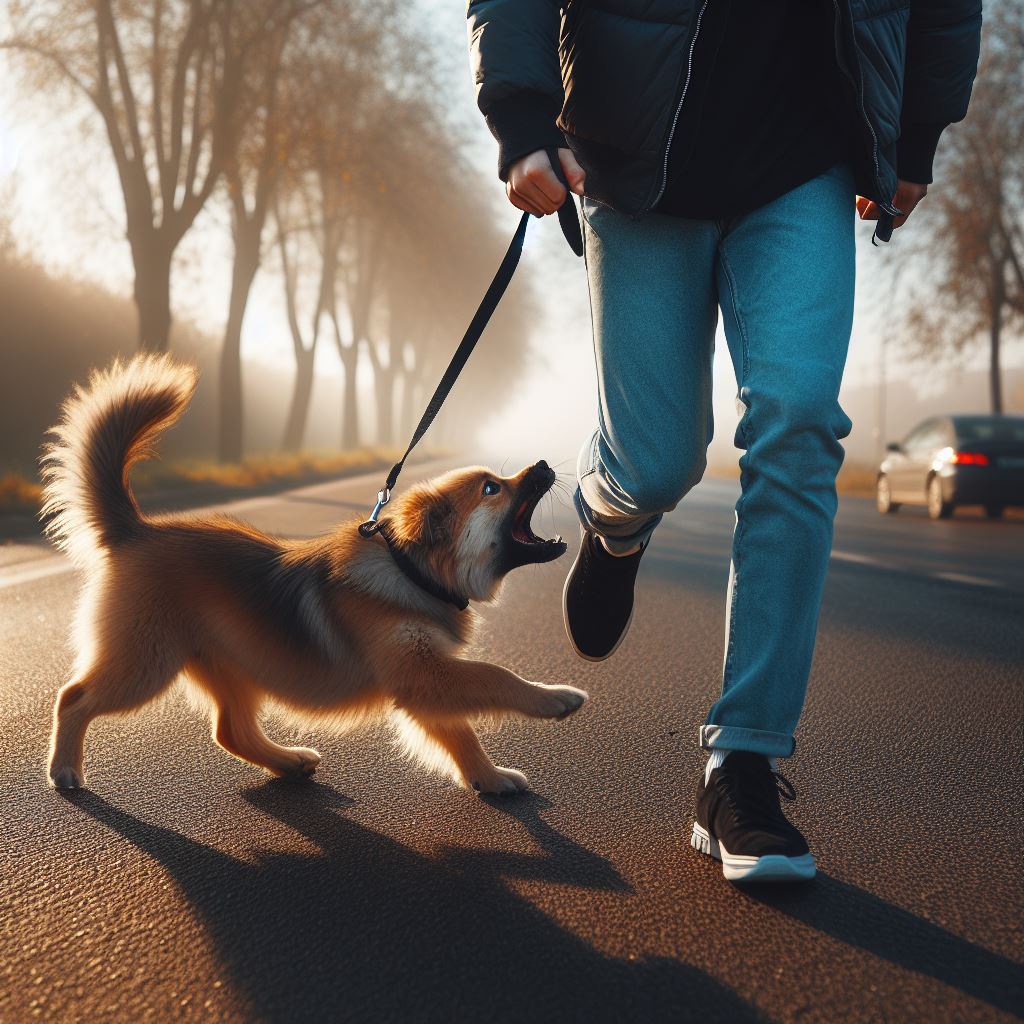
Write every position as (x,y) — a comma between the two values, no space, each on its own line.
(989,428)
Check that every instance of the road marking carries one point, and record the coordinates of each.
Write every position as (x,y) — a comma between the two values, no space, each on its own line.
(957,577)
(949,577)
(49,567)
(849,556)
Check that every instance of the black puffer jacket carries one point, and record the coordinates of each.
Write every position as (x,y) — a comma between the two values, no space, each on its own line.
(608,78)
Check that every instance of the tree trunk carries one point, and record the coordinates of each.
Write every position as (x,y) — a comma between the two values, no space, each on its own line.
(231,425)
(407,406)
(384,392)
(298,411)
(153,296)
(995,381)
(350,406)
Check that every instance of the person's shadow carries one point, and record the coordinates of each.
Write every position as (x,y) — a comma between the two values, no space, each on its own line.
(861,919)
(368,929)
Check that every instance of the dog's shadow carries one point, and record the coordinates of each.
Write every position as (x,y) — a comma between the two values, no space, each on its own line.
(370,929)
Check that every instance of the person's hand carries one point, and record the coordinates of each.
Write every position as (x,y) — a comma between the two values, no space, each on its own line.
(532,185)
(908,195)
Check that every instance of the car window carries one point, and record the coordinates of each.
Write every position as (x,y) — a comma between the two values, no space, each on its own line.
(989,428)
(928,435)
(913,439)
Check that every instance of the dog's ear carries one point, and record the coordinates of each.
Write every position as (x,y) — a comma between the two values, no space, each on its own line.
(426,517)
(437,522)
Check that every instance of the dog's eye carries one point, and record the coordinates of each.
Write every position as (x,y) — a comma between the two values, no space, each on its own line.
(492,487)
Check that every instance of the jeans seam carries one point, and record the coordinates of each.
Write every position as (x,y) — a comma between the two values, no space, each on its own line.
(592,459)
(741,323)
(744,475)
(730,645)
(587,228)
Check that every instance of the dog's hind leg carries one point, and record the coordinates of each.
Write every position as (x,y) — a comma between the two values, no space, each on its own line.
(237,729)
(459,741)
(106,688)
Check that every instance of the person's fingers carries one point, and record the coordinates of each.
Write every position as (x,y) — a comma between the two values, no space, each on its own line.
(541,176)
(867,209)
(519,203)
(528,190)
(574,174)
(908,195)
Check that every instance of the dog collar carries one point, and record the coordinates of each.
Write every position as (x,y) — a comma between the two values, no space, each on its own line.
(412,571)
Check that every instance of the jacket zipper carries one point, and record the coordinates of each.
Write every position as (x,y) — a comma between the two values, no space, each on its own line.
(679,107)
(859,91)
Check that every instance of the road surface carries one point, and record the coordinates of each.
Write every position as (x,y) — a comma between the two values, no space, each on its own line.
(186,886)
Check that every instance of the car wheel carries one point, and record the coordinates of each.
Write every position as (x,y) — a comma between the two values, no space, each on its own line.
(883,497)
(994,511)
(938,507)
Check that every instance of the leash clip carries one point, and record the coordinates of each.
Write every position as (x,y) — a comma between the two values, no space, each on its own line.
(371,526)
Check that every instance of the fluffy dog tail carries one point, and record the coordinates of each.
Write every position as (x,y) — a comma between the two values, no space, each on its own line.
(105,428)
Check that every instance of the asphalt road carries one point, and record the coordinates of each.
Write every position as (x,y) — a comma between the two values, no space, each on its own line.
(184,885)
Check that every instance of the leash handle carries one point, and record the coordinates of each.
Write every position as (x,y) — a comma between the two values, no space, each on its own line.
(568,219)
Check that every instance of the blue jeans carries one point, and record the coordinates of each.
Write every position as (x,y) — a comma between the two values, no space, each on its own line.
(783,276)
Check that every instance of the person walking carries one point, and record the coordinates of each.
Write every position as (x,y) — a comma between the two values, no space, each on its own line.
(722,150)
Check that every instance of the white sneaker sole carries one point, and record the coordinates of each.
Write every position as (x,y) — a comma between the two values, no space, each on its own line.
(565,617)
(772,867)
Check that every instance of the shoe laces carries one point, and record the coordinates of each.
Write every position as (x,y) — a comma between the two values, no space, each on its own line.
(783,786)
(754,796)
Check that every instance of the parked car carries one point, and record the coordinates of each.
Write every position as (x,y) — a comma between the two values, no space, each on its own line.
(955,460)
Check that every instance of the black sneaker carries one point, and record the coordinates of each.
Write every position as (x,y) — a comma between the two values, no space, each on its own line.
(597,602)
(740,822)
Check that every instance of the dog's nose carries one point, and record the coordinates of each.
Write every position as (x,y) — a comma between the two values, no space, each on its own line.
(542,473)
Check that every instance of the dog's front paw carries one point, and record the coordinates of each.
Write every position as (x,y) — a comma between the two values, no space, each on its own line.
(296,763)
(559,701)
(65,777)
(499,781)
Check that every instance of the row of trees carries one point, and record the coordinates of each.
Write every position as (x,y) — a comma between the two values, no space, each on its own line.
(311,120)
(966,241)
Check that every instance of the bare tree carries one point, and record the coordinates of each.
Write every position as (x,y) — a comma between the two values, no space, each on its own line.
(968,244)
(164,85)
(264,138)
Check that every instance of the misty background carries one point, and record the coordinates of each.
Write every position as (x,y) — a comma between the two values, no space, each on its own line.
(411,191)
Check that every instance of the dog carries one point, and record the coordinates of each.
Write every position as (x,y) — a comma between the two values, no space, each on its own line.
(339,629)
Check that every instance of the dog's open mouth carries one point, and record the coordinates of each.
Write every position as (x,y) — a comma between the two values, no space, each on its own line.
(537,549)
(522,531)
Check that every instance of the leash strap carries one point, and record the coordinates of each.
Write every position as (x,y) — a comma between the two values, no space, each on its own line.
(570,225)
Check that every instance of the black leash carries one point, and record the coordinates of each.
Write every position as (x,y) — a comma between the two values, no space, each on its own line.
(569,222)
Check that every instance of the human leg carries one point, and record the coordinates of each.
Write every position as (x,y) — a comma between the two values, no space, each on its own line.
(786,277)
(654,308)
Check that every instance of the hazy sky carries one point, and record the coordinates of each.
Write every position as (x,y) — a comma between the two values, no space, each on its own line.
(79,229)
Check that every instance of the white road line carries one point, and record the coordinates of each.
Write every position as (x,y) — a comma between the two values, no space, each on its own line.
(35,571)
(949,577)
(849,556)
(957,577)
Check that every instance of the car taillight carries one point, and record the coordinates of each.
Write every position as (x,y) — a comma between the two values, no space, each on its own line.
(969,459)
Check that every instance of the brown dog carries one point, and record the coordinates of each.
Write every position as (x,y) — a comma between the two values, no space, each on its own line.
(340,628)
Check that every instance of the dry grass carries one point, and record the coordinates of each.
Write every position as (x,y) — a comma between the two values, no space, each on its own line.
(18,493)
(210,480)
(263,470)
(855,478)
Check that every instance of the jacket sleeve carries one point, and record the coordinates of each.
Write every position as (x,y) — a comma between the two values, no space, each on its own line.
(514,56)
(943,41)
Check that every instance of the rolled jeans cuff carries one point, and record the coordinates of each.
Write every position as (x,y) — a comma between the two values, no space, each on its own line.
(619,535)
(734,737)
